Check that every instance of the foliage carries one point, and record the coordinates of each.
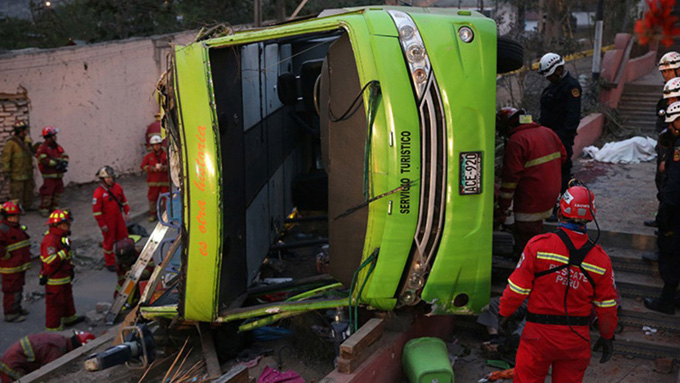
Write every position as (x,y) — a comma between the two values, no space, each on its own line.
(658,23)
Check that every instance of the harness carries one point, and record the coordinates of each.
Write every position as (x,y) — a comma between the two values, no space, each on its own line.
(576,257)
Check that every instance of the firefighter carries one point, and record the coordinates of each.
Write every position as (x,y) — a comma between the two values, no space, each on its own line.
(155,164)
(564,276)
(36,350)
(154,129)
(16,249)
(17,165)
(560,106)
(668,220)
(126,256)
(530,179)
(57,273)
(52,162)
(110,208)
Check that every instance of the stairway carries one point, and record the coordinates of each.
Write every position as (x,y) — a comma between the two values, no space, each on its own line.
(637,107)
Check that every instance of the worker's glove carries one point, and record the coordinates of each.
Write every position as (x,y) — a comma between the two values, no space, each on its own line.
(61,166)
(607,346)
(504,326)
(105,229)
(43,280)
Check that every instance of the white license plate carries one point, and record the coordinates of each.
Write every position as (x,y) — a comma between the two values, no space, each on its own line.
(470,173)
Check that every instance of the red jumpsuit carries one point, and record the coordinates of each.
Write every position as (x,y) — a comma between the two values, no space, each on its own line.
(56,266)
(32,352)
(15,259)
(108,206)
(156,178)
(543,345)
(49,155)
(531,172)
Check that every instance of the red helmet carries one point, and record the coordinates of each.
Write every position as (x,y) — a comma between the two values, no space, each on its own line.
(10,208)
(577,202)
(58,216)
(83,336)
(508,117)
(49,131)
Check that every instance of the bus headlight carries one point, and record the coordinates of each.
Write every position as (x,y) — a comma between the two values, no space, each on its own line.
(413,47)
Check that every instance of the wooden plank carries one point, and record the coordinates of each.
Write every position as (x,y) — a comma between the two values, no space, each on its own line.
(362,339)
(348,366)
(238,374)
(53,366)
(209,352)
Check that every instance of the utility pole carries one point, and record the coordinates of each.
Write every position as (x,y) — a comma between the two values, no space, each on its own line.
(541,14)
(257,10)
(597,49)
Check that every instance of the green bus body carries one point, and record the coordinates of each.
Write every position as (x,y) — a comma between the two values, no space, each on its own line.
(420,203)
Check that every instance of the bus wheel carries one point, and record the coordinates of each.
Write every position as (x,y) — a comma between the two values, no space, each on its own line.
(510,55)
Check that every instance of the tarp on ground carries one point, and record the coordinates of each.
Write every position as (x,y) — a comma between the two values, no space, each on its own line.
(630,151)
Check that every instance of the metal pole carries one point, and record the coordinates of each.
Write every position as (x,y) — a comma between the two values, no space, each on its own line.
(257,10)
(597,49)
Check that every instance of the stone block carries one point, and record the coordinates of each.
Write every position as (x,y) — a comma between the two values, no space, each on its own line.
(103,307)
(94,319)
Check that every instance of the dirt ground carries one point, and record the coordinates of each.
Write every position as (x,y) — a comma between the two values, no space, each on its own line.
(92,283)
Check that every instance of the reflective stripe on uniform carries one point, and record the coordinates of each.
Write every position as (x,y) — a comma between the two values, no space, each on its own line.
(607,303)
(97,213)
(60,328)
(62,254)
(49,259)
(509,185)
(506,195)
(542,160)
(70,319)
(28,350)
(18,245)
(518,289)
(157,184)
(12,270)
(54,175)
(552,257)
(9,372)
(59,281)
(532,217)
(593,268)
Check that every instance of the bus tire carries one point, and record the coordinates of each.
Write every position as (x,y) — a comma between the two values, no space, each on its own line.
(510,55)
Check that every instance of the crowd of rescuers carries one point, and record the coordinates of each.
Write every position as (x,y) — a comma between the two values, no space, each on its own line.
(109,207)
(562,280)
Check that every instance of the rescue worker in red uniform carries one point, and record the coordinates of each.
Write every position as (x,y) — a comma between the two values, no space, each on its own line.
(52,162)
(564,276)
(15,259)
(57,273)
(154,129)
(108,207)
(155,164)
(530,179)
(36,350)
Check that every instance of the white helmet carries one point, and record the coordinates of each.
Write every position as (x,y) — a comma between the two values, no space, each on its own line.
(155,139)
(549,62)
(672,88)
(670,60)
(673,112)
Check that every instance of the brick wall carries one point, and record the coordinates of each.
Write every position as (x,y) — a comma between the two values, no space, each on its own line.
(13,107)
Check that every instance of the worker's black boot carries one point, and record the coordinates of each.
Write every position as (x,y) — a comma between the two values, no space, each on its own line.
(74,321)
(650,223)
(656,304)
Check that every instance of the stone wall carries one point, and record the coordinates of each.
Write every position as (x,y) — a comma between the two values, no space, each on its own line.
(13,107)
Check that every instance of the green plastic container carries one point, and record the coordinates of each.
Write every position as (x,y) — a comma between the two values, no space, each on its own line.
(426,360)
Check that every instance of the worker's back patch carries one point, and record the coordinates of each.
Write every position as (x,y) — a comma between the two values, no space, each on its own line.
(575,92)
(676,154)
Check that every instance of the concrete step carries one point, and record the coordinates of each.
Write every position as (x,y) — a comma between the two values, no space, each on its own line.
(642,88)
